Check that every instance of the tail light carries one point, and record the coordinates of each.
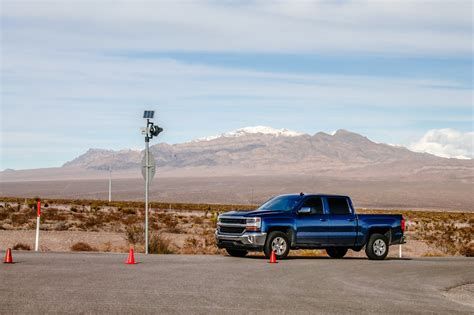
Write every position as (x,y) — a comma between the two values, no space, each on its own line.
(402,224)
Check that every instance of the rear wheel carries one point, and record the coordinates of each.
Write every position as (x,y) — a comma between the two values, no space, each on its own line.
(377,247)
(336,252)
(236,252)
(278,242)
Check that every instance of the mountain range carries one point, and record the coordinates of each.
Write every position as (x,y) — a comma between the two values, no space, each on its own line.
(249,165)
(268,151)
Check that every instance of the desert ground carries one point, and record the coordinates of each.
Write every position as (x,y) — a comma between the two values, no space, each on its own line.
(398,193)
(184,228)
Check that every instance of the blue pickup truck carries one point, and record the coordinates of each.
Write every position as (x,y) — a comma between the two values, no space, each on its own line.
(308,222)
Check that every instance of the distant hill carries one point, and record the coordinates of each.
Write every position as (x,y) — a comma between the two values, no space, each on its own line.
(263,150)
(251,164)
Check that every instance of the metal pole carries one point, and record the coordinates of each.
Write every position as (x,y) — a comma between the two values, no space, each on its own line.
(400,251)
(110,185)
(37,233)
(38,214)
(147,168)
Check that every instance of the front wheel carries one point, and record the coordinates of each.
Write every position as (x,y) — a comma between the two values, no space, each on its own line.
(236,252)
(336,252)
(277,242)
(377,247)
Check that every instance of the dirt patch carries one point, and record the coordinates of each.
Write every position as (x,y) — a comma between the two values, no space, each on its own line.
(190,229)
(61,241)
(463,294)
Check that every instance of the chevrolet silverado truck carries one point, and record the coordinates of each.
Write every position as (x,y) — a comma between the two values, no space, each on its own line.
(308,222)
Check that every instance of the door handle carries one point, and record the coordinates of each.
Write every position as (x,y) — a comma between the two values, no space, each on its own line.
(350,220)
(323,220)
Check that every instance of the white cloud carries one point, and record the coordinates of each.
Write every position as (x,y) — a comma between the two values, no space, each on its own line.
(379,27)
(448,143)
(73,67)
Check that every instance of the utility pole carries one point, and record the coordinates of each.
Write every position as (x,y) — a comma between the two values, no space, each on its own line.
(148,163)
(110,183)
(147,187)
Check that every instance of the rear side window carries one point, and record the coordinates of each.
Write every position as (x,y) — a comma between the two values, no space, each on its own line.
(338,205)
(315,203)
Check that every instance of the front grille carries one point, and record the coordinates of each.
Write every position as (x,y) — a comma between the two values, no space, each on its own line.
(232,229)
(233,221)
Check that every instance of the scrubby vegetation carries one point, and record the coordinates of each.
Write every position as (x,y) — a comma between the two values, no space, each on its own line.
(450,232)
(159,245)
(21,246)
(82,247)
(189,228)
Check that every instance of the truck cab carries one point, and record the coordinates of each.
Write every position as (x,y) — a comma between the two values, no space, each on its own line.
(316,221)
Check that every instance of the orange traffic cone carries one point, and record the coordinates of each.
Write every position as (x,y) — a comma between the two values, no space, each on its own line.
(8,257)
(131,258)
(273,258)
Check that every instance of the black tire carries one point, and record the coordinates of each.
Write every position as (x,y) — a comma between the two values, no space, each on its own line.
(268,244)
(236,252)
(336,252)
(377,247)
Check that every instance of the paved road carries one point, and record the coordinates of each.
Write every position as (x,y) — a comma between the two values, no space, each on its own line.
(101,283)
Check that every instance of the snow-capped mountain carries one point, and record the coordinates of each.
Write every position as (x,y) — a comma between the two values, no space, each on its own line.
(264,130)
(265,150)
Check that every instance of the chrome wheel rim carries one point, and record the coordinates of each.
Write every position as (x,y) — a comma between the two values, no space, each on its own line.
(279,245)
(379,247)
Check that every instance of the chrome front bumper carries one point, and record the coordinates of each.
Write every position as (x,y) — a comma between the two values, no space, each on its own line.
(247,238)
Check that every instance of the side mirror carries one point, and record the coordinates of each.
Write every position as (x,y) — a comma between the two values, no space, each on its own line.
(304,210)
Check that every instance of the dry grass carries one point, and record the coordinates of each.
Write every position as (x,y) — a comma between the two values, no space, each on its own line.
(131,204)
(159,245)
(21,246)
(82,247)
(192,225)
(135,234)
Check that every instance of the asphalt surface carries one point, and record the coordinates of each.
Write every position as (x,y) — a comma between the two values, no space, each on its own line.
(102,283)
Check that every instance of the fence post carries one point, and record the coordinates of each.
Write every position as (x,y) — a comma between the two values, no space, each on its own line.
(38,215)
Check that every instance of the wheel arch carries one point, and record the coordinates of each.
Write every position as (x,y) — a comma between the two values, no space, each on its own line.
(285,229)
(384,230)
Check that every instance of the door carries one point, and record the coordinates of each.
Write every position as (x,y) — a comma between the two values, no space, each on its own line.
(311,227)
(342,224)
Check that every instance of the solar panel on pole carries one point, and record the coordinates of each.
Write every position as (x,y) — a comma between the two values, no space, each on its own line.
(148,114)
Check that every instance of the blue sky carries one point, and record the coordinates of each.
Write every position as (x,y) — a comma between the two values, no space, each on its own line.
(78,74)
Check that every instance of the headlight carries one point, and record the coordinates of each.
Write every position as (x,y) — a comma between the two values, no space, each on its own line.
(253,224)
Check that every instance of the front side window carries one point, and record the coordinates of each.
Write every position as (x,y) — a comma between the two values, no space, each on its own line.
(338,205)
(315,203)
(281,203)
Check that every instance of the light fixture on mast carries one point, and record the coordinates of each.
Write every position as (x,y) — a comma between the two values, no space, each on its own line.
(148,162)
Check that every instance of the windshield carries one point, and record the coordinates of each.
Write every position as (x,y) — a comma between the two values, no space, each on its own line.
(281,203)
